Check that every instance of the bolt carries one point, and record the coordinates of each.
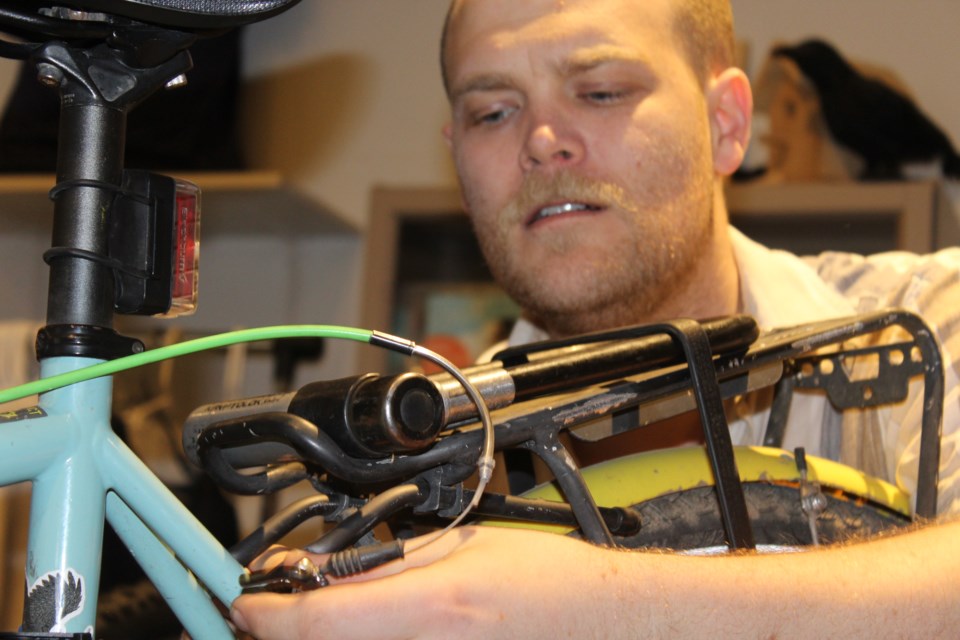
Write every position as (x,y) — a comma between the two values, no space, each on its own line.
(49,75)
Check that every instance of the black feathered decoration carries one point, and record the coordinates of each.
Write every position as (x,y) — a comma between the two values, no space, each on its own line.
(46,605)
(878,123)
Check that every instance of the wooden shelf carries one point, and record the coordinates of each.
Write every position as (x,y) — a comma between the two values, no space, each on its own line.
(237,203)
(917,213)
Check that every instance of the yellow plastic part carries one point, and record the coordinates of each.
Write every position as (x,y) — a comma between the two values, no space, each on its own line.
(635,478)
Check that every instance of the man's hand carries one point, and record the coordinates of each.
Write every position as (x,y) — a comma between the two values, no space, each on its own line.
(472,582)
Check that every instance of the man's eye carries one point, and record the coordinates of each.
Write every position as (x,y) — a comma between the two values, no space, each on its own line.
(602,97)
(490,117)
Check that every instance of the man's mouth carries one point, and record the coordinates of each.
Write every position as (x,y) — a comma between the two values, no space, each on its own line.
(561,209)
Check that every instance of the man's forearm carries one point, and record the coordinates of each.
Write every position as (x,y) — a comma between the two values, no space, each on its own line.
(486,582)
(895,587)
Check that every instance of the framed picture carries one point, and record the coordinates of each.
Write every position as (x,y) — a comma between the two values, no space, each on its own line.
(425,279)
(458,321)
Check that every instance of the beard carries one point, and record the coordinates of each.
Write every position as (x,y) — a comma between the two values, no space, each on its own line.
(578,284)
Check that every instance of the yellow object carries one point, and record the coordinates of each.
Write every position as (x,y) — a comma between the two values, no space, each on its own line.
(636,478)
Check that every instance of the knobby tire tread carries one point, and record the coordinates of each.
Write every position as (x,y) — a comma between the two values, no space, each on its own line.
(690,519)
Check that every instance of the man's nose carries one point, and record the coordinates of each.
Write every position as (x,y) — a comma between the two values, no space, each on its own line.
(550,146)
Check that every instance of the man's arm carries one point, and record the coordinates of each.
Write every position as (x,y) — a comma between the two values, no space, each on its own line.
(497,583)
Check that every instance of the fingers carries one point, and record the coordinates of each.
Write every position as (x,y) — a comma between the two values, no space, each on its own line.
(440,591)
(269,617)
(362,611)
(367,605)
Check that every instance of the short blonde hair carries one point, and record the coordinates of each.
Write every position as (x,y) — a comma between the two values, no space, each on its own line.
(704,28)
(444,37)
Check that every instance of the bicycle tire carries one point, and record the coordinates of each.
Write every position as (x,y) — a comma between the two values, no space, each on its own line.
(690,519)
(136,611)
(673,491)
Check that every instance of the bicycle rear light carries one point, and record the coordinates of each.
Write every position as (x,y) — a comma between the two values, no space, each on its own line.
(186,250)
(154,245)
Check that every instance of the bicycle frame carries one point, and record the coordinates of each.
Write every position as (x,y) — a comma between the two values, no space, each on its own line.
(82,473)
(105,56)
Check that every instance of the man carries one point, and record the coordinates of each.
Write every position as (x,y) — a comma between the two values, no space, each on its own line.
(592,138)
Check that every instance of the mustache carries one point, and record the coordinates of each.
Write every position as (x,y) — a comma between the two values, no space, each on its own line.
(539,189)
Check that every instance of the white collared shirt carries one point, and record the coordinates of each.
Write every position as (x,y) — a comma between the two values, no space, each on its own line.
(780,289)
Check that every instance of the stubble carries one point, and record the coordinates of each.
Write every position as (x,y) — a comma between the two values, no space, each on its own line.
(579,287)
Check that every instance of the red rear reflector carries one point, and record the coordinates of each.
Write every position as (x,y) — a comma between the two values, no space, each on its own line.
(186,253)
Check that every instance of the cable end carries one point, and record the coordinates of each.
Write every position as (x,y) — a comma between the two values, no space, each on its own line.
(485,469)
(394,343)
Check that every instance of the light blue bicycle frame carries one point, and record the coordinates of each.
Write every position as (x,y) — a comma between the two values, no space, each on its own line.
(82,473)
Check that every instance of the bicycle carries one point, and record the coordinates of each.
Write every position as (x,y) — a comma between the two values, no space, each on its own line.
(105,57)
(414,440)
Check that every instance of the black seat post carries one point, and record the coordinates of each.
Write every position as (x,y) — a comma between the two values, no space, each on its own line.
(98,87)
(104,57)
(89,163)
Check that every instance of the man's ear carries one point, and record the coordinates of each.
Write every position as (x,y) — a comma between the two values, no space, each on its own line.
(730,104)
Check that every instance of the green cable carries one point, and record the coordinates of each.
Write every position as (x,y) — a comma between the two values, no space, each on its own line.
(181,349)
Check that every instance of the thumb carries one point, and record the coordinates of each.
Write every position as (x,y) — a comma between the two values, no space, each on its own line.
(267,616)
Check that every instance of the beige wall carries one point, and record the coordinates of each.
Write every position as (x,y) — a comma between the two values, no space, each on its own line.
(372,103)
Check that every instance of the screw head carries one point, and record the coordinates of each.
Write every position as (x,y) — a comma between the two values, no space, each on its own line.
(49,75)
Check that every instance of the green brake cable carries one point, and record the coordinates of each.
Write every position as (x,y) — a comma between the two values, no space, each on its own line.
(485,463)
(184,348)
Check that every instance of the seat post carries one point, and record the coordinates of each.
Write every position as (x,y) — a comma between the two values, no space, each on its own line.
(98,88)
(89,162)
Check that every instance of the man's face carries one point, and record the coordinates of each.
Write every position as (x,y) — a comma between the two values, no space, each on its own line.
(581,138)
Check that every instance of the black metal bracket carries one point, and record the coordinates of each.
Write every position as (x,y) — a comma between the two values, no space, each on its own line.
(891,366)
